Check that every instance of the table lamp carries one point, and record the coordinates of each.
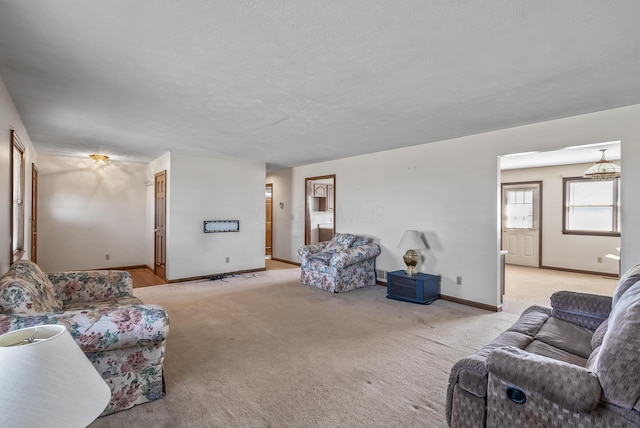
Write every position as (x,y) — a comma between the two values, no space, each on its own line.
(47,381)
(411,241)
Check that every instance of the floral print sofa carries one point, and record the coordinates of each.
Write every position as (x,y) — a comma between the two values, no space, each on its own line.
(342,264)
(122,337)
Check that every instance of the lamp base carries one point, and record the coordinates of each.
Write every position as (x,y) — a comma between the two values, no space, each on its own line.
(411,270)
(411,260)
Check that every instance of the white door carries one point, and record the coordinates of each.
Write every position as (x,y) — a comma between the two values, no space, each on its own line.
(521,223)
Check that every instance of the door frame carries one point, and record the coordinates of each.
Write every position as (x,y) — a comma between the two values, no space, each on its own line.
(307,212)
(34,213)
(270,185)
(540,216)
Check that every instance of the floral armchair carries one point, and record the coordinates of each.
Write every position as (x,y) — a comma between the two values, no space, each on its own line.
(342,264)
(123,338)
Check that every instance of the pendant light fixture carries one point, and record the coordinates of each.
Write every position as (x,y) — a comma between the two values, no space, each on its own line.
(603,169)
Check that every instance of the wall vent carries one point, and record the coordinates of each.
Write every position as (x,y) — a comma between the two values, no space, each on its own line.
(381,274)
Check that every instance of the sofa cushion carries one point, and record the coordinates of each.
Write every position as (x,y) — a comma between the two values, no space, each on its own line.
(360,240)
(25,289)
(540,348)
(566,337)
(340,241)
(598,335)
(102,305)
(323,257)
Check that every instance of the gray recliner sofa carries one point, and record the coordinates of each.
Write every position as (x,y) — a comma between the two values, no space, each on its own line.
(576,364)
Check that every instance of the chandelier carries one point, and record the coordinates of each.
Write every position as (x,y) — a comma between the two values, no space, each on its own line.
(603,169)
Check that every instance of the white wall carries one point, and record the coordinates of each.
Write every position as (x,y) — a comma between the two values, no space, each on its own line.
(214,189)
(9,119)
(87,211)
(383,194)
(631,202)
(580,252)
(449,191)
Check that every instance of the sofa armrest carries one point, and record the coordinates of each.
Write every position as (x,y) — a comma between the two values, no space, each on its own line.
(469,374)
(88,286)
(571,387)
(102,329)
(353,255)
(307,250)
(11,322)
(583,309)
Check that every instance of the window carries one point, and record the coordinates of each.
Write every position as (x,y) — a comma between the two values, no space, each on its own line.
(519,209)
(17,197)
(591,207)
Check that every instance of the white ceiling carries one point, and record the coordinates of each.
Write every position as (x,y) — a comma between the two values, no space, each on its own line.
(293,82)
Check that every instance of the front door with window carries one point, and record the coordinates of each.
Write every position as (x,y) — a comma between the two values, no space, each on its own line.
(521,223)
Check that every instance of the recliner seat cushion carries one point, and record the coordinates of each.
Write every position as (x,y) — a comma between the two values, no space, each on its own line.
(541,348)
(566,337)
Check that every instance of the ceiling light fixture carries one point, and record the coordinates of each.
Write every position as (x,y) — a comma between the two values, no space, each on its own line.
(99,159)
(603,169)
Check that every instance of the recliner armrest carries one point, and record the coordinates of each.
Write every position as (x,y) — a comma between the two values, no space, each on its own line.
(583,309)
(571,387)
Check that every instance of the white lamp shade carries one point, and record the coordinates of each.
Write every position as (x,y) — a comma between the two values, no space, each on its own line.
(49,382)
(411,240)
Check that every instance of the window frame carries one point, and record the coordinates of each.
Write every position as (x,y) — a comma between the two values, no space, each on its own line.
(19,209)
(565,208)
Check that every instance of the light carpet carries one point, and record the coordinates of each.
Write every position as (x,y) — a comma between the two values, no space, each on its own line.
(262,350)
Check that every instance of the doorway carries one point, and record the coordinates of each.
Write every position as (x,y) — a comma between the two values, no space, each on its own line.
(160,223)
(520,172)
(268,194)
(320,209)
(521,223)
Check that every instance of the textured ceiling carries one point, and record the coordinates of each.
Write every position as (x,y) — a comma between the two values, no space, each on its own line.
(302,81)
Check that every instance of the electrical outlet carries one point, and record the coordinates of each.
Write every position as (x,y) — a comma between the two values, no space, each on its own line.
(226,260)
(599,259)
(459,280)
(107,257)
